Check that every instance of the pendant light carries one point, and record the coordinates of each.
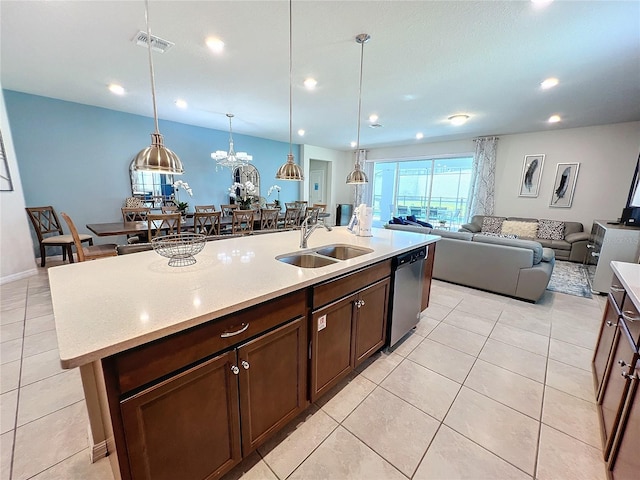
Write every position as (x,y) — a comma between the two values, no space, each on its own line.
(290,170)
(157,158)
(357,175)
(231,159)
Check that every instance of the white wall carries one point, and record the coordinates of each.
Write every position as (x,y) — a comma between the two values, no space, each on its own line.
(16,247)
(607,156)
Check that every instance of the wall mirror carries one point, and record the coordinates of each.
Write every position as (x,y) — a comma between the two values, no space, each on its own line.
(149,186)
(247,173)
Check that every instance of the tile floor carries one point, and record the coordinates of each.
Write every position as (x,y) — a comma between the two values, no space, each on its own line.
(486,387)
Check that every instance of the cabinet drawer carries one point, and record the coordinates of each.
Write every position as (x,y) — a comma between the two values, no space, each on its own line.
(617,292)
(146,363)
(631,318)
(335,289)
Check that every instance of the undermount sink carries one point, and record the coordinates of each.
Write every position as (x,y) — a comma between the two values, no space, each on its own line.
(342,252)
(306,260)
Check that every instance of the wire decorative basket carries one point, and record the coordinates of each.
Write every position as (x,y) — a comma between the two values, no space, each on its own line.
(179,248)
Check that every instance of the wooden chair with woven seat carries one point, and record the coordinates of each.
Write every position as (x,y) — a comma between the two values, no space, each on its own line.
(291,218)
(92,252)
(163,224)
(242,221)
(207,223)
(49,231)
(135,214)
(205,208)
(269,218)
(227,209)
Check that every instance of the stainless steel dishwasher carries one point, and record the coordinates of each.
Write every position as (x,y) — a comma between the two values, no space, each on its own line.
(407,293)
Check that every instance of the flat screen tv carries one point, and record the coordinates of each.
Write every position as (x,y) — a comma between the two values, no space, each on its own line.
(631,213)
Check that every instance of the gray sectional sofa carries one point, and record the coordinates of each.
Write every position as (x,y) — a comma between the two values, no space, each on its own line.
(571,246)
(514,267)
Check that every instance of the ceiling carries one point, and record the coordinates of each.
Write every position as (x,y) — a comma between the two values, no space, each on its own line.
(426,61)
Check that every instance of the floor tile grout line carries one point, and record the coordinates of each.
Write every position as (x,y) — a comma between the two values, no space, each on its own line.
(544,394)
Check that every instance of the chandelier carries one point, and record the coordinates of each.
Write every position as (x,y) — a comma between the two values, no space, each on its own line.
(231,159)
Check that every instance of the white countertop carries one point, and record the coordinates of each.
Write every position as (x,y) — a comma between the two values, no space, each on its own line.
(629,275)
(106,306)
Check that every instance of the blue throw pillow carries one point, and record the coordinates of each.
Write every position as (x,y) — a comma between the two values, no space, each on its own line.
(397,221)
(411,218)
(424,224)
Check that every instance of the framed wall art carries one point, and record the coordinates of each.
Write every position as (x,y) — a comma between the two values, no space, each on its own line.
(531,175)
(564,184)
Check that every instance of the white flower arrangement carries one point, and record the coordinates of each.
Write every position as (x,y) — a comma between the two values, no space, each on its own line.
(272,188)
(182,206)
(246,190)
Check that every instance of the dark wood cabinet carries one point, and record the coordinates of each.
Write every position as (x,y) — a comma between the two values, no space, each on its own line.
(350,329)
(187,426)
(616,368)
(427,276)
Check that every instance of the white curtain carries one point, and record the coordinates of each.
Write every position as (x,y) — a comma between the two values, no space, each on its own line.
(483,177)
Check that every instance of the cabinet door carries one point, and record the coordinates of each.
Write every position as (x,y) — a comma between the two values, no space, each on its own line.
(616,387)
(371,320)
(273,373)
(186,427)
(604,347)
(625,461)
(331,356)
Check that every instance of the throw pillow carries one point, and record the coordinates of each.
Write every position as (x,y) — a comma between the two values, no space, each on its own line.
(499,235)
(521,229)
(551,230)
(492,224)
(424,224)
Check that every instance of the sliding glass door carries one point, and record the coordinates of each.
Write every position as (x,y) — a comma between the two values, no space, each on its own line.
(434,190)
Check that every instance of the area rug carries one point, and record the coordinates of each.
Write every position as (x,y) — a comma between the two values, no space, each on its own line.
(570,278)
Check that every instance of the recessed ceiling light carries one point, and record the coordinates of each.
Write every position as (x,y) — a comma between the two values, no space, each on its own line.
(117,89)
(310,83)
(373,118)
(301,132)
(419,136)
(554,119)
(458,119)
(215,44)
(353,144)
(541,3)
(549,83)
(181,103)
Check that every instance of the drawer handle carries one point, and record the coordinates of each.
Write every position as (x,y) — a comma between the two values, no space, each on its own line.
(630,317)
(235,370)
(595,254)
(245,364)
(233,334)
(590,246)
(617,289)
(611,324)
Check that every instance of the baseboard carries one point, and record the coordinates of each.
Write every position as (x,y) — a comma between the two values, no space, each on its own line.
(18,276)
(98,451)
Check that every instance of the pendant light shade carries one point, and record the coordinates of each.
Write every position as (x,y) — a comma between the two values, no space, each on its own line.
(157,158)
(290,170)
(357,176)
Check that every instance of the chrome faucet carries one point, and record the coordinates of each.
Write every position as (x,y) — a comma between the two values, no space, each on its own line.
(306,230)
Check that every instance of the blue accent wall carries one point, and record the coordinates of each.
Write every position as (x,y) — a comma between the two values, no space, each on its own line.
(76,157)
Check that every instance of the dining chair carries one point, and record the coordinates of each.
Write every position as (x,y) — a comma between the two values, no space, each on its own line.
(92,252)
(135,214)
(312,213)
(301,204)
(207,223)
(269,219)
(227,209)
(169,209)
(162,224)
(205,208)
(270,205)
(49,231)
(242,221)
(290,205)
(291,218)
(322,206)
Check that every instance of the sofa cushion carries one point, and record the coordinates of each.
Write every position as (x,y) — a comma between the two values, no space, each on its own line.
(455,235)
(548,254)
(560,245)
(535,247)
(408,228)
(492,224)
(521,229)
(501,235)
(551,229)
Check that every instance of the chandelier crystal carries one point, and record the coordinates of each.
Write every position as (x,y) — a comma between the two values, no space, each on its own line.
(231,159)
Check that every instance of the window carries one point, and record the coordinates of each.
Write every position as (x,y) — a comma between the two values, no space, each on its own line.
(434,190)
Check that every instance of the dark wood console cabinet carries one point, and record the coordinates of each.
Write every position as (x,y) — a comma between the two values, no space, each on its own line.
(616,369)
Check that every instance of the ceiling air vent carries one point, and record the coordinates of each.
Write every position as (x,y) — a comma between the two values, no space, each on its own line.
(157,43)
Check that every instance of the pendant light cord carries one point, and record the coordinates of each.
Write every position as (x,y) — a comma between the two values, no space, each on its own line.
(290,84)
(359,101)
(153,83)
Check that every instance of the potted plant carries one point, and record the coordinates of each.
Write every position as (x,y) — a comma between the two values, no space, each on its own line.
(243,194)
(182,206)
(273,188)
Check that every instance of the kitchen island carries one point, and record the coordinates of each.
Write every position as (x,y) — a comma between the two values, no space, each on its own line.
(213,341)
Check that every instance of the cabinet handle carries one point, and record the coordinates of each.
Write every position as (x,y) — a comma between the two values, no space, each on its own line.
(628,376)
(362,304)
(630,317)
(245,364)
(235,370)
(237,332)
(617,288)
(611,324)
(595,254)
(622,363)
(590,246)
